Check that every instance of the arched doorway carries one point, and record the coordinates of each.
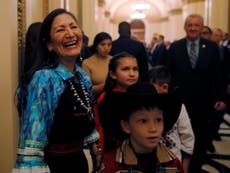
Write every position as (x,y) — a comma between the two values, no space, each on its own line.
(138,30)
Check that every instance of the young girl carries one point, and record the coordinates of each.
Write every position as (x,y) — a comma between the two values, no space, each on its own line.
(143,115)
(123,72)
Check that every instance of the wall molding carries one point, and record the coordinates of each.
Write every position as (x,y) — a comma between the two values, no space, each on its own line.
(193,1)
(176,11)
(45,8)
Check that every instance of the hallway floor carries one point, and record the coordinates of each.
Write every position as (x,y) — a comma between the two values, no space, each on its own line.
(219,161)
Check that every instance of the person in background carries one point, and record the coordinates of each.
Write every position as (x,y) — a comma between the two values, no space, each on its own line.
(123,72)
(143,115)
(217,37)
(97,65)
(133,47)
(85,52)
(206,32)
(85,39)
(180,139)
(195,66)
(167,44)
(160,52)
(30,45)
(54,103)
(150,48)
(226,41)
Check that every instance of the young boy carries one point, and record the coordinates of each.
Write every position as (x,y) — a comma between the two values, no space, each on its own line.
(143,115)
(180,139)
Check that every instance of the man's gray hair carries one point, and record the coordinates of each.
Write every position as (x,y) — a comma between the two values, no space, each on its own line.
(194,16)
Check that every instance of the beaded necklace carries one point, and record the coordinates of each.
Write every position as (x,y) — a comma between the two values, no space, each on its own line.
(85,101)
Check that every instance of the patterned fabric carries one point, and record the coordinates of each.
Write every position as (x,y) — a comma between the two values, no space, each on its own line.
(180,139)
(36,119)
(193,51)
(101,127)
(193,54)
(124,159)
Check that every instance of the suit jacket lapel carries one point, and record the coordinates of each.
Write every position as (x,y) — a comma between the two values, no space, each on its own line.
(185,53)
(201,55)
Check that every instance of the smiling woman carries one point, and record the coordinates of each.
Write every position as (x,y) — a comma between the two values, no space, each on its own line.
(54,100)
(66,39)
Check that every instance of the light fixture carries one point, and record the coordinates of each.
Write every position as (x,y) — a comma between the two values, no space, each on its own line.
(137,15)
(140,6)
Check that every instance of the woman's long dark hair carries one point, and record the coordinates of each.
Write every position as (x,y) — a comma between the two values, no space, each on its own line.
(30,45)
(110,83)
(42,56)
(98,39)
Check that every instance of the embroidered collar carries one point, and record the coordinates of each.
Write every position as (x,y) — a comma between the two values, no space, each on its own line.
(62,70)
(125,154)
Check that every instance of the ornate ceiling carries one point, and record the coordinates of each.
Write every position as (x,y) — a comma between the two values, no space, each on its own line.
(159,9)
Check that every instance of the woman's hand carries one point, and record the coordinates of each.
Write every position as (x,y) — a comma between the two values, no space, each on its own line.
(97,158)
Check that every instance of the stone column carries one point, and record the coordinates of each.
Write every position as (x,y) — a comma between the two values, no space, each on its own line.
(164,22)
(53,4)
(90,18)
(219,14)
(34,11)
(194,6)
(73,7)
(176,25)
(154,28)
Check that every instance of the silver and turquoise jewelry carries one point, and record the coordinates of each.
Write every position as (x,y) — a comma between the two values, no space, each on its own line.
(85,101)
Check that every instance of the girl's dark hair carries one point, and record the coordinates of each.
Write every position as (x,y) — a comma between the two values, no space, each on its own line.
(110,82)
(43,58)
(98,39)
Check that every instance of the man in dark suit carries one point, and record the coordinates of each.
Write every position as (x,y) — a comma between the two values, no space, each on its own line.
(217,35)
(196,70)
(226,41)
(206,32)
(159,52)
(135,48)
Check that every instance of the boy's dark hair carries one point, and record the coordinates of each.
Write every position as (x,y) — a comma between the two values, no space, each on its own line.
(118,106)
(159,74)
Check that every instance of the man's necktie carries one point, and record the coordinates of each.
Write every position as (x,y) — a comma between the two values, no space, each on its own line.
(193,54)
